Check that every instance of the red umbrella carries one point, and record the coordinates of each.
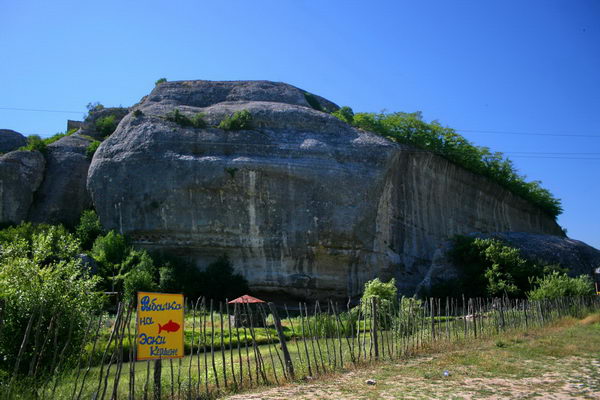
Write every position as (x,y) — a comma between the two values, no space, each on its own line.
(246,299)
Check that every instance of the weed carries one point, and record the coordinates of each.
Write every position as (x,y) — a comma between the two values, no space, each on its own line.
(159,81)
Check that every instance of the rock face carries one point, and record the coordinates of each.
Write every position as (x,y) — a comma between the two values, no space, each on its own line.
(21,173)
(575,255)
(303,204)
(63,195)
(11,140)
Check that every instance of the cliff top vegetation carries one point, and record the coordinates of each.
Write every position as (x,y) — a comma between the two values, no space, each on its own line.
(409,128)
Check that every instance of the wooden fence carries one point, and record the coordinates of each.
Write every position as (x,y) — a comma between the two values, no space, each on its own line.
(227,351)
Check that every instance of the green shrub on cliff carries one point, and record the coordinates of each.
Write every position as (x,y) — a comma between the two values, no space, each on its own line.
(240,120)
(409,128)
(106,125)
(91,148)
(196,120)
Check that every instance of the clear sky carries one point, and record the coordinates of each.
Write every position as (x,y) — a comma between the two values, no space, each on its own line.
(478,66)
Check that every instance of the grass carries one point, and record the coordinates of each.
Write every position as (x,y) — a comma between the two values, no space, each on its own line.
(488,356)
(558,360)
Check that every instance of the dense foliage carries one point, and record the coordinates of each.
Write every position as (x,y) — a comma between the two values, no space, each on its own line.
(490,267)
(556,285)
(409,128)
(42,284)
(238,121)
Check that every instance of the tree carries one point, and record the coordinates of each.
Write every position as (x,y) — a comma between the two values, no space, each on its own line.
(41,280)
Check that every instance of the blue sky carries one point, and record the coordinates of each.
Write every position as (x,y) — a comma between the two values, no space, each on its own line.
(511,66)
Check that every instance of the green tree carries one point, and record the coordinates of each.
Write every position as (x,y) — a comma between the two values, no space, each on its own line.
(88,229)
(385,292)
(110,251)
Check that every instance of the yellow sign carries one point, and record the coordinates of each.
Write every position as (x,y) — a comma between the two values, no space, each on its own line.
(159,326)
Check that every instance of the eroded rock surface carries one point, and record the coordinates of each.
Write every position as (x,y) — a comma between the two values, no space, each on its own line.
(11,140)
(62,195)
(21,173)
(302,203)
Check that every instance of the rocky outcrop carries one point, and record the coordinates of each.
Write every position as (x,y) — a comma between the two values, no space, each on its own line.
(302,203)
(575,256)
(21,173)
(62,195)
(428,199)
(11,140)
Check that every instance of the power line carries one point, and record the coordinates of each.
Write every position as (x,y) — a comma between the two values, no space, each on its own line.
(41,110)
(527,133)
(456,129)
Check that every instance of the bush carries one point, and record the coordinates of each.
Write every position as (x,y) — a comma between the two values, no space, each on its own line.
(345,114)
(138,113)
(196,121)
(35,143)
(40,275)
(159,81)
(240,120)
(313,102)
(91,148)
(110,251)
(138,273)
(386,293)
(557,284)
(106,125)
(88,229)
(489,267)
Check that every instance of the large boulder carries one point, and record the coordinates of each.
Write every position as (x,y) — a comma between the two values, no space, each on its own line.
(21,173)
(289,202)
(63,194)
(11,140)
(302,203)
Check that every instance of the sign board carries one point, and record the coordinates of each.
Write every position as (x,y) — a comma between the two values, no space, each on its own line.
(159,326)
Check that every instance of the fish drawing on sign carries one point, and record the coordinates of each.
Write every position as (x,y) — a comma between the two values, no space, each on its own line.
(168,327)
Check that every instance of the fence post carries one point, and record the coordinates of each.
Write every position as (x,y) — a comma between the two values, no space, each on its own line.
(374,326)
(286,354)
(157,379)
